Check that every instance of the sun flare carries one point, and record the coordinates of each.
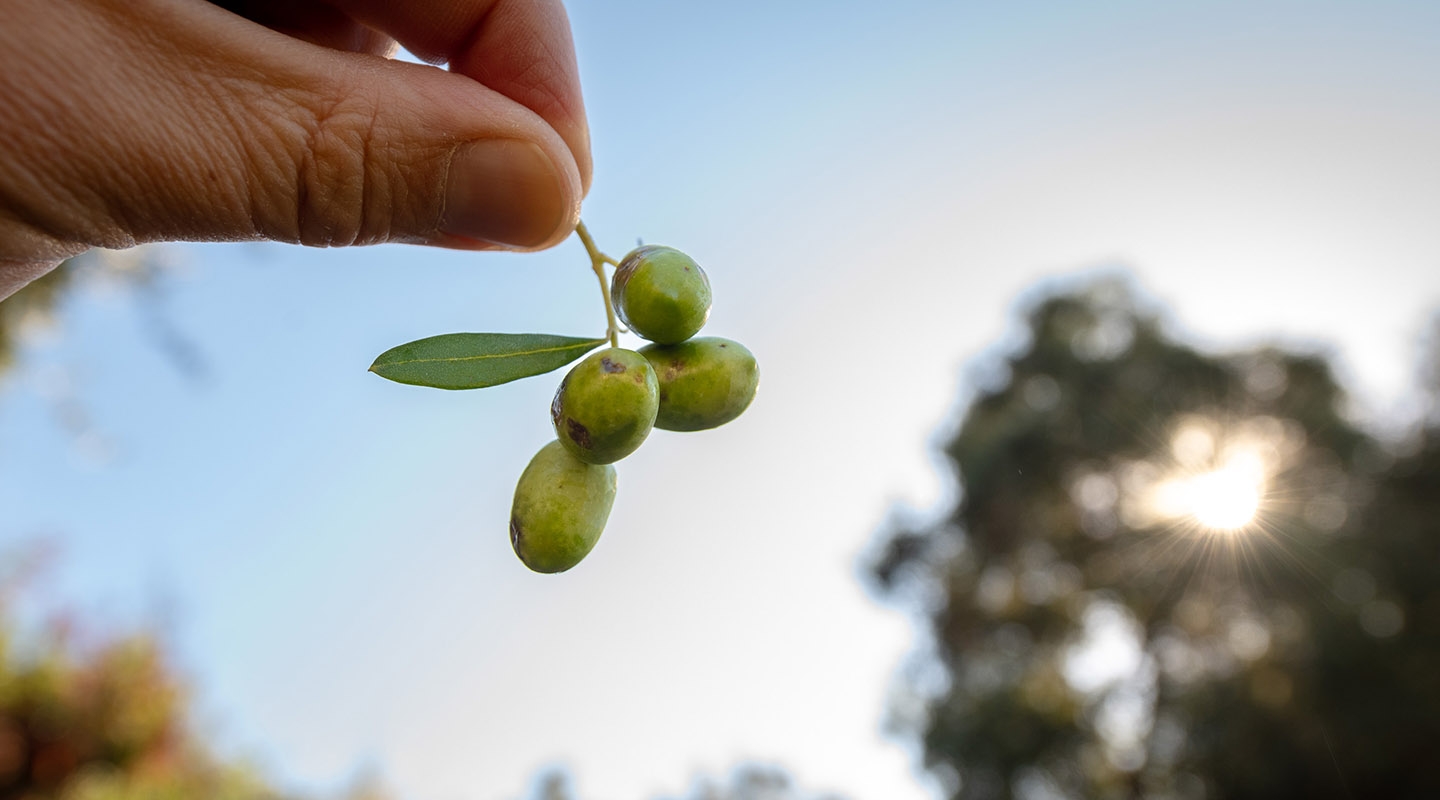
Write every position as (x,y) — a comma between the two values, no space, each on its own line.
(1226,499)
(1221,492)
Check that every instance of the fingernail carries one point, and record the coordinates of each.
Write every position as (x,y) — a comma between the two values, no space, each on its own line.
(503,191)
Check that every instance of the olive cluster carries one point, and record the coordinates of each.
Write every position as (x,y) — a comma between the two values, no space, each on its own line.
(608,403)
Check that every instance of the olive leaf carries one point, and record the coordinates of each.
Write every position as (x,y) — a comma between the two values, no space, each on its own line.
(477,360)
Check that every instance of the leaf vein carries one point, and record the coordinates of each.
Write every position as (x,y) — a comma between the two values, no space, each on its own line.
(483,356)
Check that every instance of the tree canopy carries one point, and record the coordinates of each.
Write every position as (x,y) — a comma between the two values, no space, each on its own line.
(1171,574)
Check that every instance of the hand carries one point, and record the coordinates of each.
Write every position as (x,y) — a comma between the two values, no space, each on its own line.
(127,121)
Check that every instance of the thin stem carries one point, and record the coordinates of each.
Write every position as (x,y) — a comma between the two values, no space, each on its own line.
(612,330)
(598,260)
(584,234)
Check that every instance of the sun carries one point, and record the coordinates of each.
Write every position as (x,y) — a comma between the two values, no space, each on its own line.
(1227,499)
(1217,483)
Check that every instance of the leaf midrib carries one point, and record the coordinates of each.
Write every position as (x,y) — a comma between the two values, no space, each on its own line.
(512,354)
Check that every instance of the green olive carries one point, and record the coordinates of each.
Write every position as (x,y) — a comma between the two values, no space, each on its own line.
(606,405)
(704,382)
(561,504)
(661,294)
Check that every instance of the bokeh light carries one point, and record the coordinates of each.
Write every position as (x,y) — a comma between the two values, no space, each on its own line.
(1225,498)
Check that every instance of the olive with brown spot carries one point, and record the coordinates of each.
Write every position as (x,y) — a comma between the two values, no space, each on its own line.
(560,508)
(606,405)
(661,294)
(704,382)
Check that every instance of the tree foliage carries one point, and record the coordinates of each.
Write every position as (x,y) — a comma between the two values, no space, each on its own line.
(1104,618)
(32,305)
(106,721)
(746,782)
(38,304)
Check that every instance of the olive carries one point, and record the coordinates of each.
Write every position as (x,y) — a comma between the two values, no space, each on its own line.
(704,382)
(606,405)
(661,294)
(561,504)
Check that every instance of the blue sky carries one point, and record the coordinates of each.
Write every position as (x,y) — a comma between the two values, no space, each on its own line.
(871,188)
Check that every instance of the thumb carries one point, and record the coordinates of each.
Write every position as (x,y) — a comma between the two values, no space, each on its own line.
(372,150)
(228,131)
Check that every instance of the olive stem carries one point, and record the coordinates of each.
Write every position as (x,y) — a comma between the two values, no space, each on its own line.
(598,260)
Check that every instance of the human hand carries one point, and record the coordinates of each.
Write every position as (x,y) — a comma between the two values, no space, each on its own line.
(128,121)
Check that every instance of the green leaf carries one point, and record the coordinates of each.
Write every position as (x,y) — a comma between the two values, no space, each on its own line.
(477,360)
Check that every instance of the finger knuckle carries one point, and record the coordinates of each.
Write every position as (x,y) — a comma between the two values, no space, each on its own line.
(354,182)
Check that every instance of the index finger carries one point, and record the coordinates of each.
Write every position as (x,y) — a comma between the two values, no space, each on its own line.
(520,48)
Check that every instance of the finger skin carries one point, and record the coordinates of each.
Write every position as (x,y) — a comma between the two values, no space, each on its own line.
(520,48)
(177,120)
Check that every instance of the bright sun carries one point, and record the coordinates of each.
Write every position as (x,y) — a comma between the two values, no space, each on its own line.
(1226,499)
(1223,497)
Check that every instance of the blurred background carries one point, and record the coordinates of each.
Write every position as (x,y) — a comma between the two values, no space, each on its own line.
(1095,453)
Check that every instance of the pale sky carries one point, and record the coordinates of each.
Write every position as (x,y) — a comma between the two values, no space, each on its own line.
(872,190)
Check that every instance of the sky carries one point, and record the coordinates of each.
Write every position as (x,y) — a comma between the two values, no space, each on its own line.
(874,190)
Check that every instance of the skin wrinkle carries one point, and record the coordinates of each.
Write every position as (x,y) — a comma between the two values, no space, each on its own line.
(530,53)
(303,169)
(174,157)
(331,164)
(536,79)
(536,93)
(406,174)
(276,186)
(284,190)
(413,172)
(143,187)
(270,192)
(339,175)
(238,90)
(315,220)
(444,200)
(366,157)
(246,150)
(345,174)
(434,161)
(40,201)
(161,148)
(140,181)
(540,56)
(471,39)
(221,78)
(27,184)
(180,120)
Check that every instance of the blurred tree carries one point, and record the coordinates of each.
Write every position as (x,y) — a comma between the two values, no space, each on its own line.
(38,307)
(747,782)
(752,782)
(139,269)
(1171,574)
(31,306)
(109,722)
(105,723)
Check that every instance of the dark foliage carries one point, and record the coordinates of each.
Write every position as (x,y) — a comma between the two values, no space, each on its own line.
(1106,619)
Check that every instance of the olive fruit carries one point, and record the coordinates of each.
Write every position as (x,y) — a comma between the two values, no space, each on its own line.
(606,405)
(704,382)
(661,294)
(561,504)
